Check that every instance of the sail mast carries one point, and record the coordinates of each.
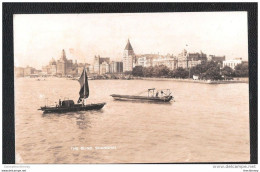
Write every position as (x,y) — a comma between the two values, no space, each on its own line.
(84,83)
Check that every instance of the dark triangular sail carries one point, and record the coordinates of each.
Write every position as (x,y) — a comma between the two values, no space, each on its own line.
(84,89)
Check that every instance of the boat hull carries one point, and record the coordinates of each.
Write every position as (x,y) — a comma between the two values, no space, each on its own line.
(142,98)
(74,108)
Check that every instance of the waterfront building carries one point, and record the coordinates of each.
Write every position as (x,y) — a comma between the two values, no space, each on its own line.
(74,68)
(61,64)
(46,70)
(96,64)
(170,61)
(69,68)
(37,72)
(80,68)
(64,66)
(104,68)
(28,71)
(18,71)
(91,69)
(192,63)
(116,67)
(187,60)
(143,61)
(146,60)
(218,59)
(50,69)
(61,67)
(197,56)
(232,63)
(98,61)
(53,67)
(128,57)
(182,59)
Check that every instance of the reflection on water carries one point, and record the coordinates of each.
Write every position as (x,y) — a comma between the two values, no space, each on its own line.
(80,116)
(206,123)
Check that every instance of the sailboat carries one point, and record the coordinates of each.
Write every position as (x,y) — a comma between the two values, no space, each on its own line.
(69,105)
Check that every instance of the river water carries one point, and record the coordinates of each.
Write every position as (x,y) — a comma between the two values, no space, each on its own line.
(206,123)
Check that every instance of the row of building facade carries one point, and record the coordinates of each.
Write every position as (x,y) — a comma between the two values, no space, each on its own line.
(27,71)
(184,59)
(104,65)
(66,67)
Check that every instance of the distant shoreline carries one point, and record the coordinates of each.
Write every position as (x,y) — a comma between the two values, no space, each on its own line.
(239,80)
(235,81)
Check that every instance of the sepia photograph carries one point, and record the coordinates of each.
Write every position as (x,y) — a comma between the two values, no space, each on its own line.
(164,87)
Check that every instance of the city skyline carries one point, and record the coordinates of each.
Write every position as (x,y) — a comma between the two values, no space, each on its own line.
(38,38)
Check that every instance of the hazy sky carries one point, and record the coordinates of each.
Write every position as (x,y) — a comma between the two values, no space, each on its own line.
(39,37)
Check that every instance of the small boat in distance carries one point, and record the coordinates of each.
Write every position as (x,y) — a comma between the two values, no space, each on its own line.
(69,105)
(152,95)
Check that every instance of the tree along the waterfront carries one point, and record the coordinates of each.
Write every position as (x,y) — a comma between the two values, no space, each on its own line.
(148,71)
(159,71)
(137,71)
(241,70)
(128,72)
(227,72)
(180,73)
(208,70)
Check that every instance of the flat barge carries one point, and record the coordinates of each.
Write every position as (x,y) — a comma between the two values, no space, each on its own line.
(159,96)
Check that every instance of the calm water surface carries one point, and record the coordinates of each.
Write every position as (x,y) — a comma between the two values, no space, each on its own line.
(206,123)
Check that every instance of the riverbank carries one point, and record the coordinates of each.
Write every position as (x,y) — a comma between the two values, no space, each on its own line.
(237,80)
(234,81)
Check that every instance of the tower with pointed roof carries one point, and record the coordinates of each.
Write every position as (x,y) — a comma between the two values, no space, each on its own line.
(128,57)
(61,64)
(63,55)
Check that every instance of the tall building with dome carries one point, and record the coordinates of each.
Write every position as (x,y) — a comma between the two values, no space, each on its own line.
(128,57)
(61,67)
(53,67)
